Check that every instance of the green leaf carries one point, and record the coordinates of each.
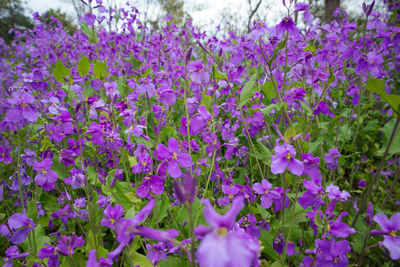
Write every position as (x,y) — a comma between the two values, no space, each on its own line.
(266,111)
(248,89)
(306,108)
(277,264)
(100,70)
(267,239)
(32,209)
(387,132)
(141,260)
(83,66)
(206,100)
(377,86)
(268,89)
(217,74)
(60,71)
(92,34)
(318,221)
(290,133)
(136,63)
(91,175)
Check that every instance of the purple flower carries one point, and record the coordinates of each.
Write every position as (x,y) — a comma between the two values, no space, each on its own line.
(267,195)
(332,158)
(334,193)
(45,177)
(153,183)
(126,230)
(13,253)
(67,244)
(339,229)
(92,261)
(311,167)
(279,243)
(77,179)
(187,193)
(312,195)
(113,215)
(284,158)
(224,243)
(51,253)
(20,225)
(389,230)
(300,6)
(332,253)
(288,25)
(171,156)
(156,253)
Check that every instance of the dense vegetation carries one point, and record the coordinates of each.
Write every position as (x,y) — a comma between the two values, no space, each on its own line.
(138,148)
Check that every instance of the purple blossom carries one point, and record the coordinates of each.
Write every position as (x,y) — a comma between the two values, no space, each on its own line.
(45,177)
(156,253)
(92,261)
(332,158)
(51,253)
(113,216)
(172,157)
(67,244)
(285,158)
(338,228)
(153,183)
(267,195)
(12,253)
(19,225)
(77,178)
(311,167)
(288,25)
(389,229)
(332,253)
(224,243)
(312,196)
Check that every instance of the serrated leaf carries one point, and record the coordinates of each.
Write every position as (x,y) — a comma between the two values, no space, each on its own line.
(100,70)
(247,91)
(83,66)
(60,72)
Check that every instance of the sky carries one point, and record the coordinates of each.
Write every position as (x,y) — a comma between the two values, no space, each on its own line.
(206,14)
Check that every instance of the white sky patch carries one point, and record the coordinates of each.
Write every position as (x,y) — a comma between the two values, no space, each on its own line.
(206,14)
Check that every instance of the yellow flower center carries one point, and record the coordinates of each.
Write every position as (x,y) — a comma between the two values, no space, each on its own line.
(112,221)
(23,104)
(143,163)
(288,156)
(222,231)
(175,156)
(266,191)
(336,259)
(230,196)
(328,228)
(392,233)
(147,178)
(44,171)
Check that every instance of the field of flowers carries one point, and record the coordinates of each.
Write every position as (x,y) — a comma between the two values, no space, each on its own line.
(279,147)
